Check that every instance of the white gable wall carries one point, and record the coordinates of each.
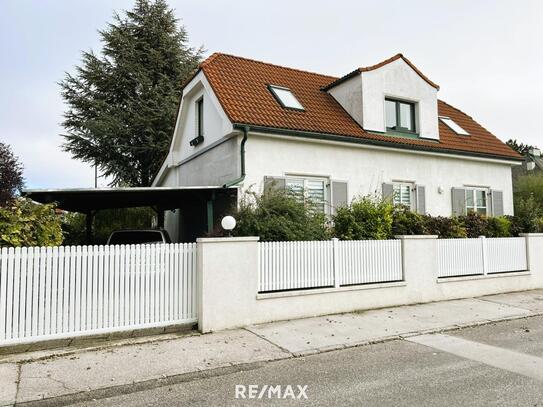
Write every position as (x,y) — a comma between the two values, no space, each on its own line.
(216,123)
(363,97)
(185,164)
(398,80)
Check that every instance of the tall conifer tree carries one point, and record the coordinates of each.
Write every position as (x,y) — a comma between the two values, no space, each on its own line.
(122,103)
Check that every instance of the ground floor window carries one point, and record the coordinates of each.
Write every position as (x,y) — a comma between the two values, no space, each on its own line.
(476,200)
(402,193)
(309,189)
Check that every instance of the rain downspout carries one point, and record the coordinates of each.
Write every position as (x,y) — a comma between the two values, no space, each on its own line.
(242,156)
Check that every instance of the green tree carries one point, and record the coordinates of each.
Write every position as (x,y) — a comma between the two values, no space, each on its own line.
(520,148)
(24,223)
(11,175)
(122,104)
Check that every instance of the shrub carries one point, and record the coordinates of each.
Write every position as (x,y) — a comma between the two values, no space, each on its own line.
(445,228)
(365,218)
(24,223)
(528,211)
(406,222)
(499,226)
(475,224)
(277,215)
(516,225)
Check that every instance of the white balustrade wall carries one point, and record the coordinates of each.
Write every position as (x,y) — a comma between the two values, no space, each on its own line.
(56,292)
(332,263)
(463,257)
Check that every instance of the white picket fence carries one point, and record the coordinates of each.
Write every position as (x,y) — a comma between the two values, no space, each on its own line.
(462,257)
(334,263)
(57,292)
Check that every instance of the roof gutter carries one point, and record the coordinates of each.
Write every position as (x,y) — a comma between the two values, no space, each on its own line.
(236,181)
(371,142)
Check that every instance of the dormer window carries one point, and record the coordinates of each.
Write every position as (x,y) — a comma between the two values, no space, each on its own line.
(285,97)
(453,126)
(400,115)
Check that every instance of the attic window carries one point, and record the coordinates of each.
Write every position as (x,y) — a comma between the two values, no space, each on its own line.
(285,97)
(453,126)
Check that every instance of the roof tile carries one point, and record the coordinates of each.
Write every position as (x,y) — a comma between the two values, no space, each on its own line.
(241,86)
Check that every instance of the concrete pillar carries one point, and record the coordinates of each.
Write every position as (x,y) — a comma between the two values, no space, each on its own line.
(419,256)
(534,251)
(227,281)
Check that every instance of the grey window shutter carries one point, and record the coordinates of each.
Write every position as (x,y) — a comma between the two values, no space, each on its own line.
(388,192)
(458,201)
(275,183)
(339,195)
(420,196)
(497,202)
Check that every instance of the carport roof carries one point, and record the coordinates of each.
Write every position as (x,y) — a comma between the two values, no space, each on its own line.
(86,200)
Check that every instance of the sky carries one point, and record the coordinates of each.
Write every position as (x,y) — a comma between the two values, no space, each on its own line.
(485,55)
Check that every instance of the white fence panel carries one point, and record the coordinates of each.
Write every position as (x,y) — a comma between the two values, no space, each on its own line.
(506,254)
(295,265)
(459,257)
(56,292)
(369,261)
(299,265)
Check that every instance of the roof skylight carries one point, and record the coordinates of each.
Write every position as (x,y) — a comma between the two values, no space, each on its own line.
(285,97)
(453,126)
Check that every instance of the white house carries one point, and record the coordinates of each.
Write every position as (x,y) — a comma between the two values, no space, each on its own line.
(377,130)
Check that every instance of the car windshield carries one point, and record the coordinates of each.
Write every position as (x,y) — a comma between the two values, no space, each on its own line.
(136,237)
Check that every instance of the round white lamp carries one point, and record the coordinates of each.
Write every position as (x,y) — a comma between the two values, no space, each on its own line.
(228,223)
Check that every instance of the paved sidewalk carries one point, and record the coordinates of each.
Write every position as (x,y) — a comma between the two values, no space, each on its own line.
(87,372)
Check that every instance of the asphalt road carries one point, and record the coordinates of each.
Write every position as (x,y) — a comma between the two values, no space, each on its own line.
(499,365)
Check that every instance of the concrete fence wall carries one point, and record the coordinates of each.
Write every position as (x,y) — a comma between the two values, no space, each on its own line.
(228,284)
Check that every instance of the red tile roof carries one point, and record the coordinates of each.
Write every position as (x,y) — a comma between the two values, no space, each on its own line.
(241,86)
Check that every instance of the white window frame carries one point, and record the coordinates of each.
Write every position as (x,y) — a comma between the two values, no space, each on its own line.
(276,92)
(400,184)
(473,191)
(305,179)
(451,124)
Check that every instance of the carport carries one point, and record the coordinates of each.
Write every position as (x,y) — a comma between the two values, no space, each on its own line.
(202,207)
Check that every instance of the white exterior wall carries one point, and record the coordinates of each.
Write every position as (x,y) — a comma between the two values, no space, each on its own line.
(349,96)
(366,169)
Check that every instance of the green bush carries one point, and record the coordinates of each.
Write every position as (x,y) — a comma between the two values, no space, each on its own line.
(406,222)
(445,228)
(279,216)
(516,225)
(24,223)
(365,218)
(498,226)
(475,224)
